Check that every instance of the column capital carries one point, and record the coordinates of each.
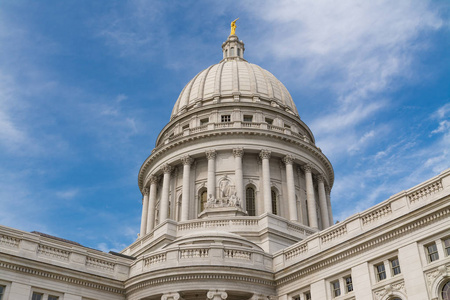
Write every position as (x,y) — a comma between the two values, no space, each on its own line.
(145,191)
(265,154)
(238,152)
(166,168)
(217,294)
(288,159)
(153,179)
(307,168)
(187,160)
(210,154)
(327,190)
(320,178)
(171,296)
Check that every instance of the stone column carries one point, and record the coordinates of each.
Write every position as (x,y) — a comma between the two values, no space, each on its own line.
(239,177)
(323,203)
(164,204)
(217,294)
(152,203)
(144,212)
(211,184)
(187,161)
(312,213)
(267,195)
(171,296)
(292,204)
(330,213)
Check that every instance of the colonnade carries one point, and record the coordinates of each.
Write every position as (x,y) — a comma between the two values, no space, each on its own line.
(149,194)
(212,294)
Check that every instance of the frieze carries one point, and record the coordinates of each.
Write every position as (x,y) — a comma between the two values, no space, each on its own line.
(9,241)
(377,214)
(53,252)
(426,191)
(99,264)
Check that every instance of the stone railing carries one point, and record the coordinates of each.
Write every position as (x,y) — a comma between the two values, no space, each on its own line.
(234,124)
(376,215)
(197,224)
(329,236)
(54,251)
(194,253)
(99,264)
(396,206)
(237,254)
(154,259)
(426,191)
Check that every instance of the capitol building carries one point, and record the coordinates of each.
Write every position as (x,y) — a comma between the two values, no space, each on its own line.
(236,205)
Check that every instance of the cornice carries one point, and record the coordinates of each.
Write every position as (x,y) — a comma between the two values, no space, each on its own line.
(63,278)
(377,241)
(237,131)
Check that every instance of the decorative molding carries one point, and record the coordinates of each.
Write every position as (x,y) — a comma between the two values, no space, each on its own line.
(297,251)
(170,296)
(389,289)
(9,241)
(211,154)
(426,191)
(68,279)
(435,273)
(265,154)
(53,252)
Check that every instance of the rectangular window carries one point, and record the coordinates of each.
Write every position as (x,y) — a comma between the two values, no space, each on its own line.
(225,118)
(296,298)
(37,296)
(287,126)
(269,121)
(185,126)
(50,297)
(395,265)
(2,291)
(432,252)
(381,272)
(239,51)
(204,121)
(348,284)
(307,296)
(248,118)
(446,243)
(336,288)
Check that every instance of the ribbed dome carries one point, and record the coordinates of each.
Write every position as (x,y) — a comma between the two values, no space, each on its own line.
(234,80)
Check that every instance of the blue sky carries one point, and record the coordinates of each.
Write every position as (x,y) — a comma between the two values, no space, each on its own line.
(86,86)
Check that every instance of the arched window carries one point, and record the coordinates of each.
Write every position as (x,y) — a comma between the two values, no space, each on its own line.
(274,203)
(226,53)
(238,51)
(202,200)
(446,291)
(232,51)
(250,201)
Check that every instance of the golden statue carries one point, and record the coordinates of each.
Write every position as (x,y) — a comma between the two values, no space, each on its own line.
(233,27)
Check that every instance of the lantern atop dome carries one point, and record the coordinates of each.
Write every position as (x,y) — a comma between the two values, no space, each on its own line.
(233,48)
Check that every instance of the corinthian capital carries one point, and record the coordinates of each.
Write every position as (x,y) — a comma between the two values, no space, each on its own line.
(145,191)
(187,160)
(166,168)
(238,152)
(153,179)
(288,159)
(307,168)
(265,154)
(320,178)
(211,154)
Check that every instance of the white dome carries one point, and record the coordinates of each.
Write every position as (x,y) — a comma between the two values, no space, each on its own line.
(234,80)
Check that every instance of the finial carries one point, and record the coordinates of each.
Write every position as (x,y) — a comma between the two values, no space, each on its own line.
(233,27)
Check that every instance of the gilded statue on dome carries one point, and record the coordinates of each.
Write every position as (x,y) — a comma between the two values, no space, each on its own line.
(233,27)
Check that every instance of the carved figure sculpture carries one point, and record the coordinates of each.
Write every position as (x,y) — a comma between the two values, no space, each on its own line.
(233,27)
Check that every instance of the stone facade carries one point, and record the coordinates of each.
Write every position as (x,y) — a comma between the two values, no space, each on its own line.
(236,205)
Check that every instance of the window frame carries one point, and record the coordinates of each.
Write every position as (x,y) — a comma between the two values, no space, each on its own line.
(396,267)
(248,117)
(248,207)
(225,118)
(432,256)
(446,245)
(347,284)
(335,288)
(378,272)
